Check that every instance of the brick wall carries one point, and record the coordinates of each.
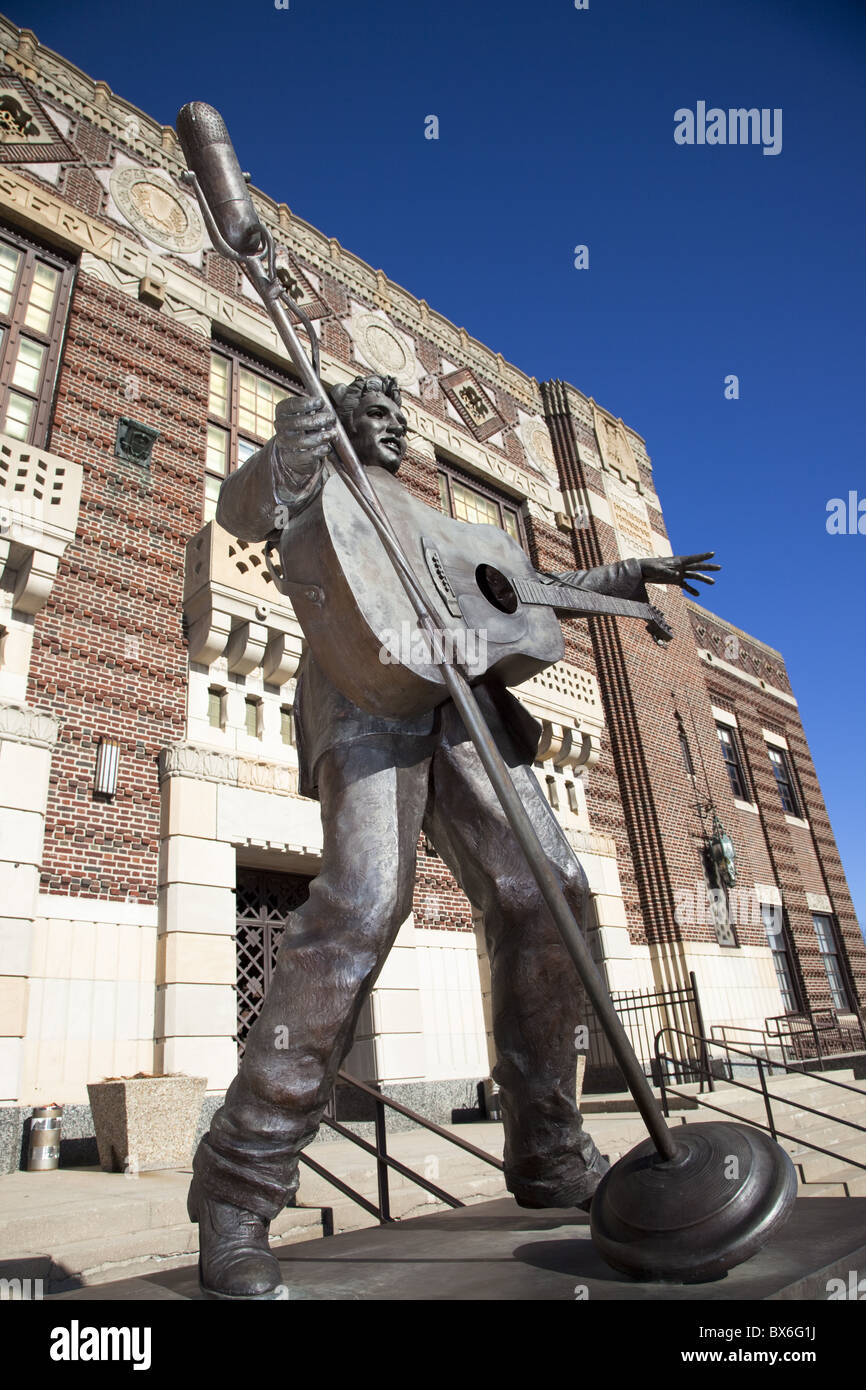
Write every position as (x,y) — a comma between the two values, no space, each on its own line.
(644,796)
(108,653)
(801,860)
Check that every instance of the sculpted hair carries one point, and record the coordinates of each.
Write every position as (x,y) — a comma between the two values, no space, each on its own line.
(346,399)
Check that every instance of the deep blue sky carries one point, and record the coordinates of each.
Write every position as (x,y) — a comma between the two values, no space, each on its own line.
(556,128)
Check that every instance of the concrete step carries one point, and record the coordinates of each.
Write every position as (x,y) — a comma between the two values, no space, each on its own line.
(853,1179)
(831,1133)
(824,1174)
(822,1098)
(615,1103)
(814,1166)
(823,1189)
(87,1227)
(132,1252)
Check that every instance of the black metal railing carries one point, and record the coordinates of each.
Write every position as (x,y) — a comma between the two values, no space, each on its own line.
(817,1033)
(642,1013)
(762,1065)
(385,1161)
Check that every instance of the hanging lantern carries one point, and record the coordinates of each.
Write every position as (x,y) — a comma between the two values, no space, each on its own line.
(723,854)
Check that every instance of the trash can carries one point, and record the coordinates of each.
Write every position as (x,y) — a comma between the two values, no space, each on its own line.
(490,1099)
(44,1151)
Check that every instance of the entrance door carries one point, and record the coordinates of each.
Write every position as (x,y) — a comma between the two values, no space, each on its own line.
(264,901)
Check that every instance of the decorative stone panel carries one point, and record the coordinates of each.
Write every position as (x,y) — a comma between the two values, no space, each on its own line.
(567,701)
(233,607)
(614,447)
(472,403)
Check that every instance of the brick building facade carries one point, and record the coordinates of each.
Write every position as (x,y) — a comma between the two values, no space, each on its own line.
(139,921)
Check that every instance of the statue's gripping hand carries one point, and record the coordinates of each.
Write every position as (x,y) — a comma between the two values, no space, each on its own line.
(305,427)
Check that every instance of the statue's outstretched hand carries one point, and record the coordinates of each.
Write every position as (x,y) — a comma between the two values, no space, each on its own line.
(305,427)
(678,569)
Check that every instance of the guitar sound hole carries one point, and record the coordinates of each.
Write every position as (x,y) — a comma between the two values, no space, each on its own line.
(496,589)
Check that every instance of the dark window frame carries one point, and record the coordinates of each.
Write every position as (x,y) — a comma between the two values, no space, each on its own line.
(735,763)
(783,956)
(842,982)
(13,329)
(452,473)
(237,359)
(785,782)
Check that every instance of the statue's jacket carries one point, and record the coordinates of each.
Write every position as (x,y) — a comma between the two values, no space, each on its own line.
(253,502)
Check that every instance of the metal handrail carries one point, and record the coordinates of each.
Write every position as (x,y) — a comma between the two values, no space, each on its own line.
(384,1161)
(767,1097)
(741,1052)
(813,1022)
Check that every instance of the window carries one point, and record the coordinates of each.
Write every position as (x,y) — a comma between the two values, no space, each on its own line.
(216,707)
(784,780)
(571,793)
(825,930)
(552,793)
(253,717)
(34,297)
(287,728)
(773,919)
(474,502)
(733,761)
(241,403)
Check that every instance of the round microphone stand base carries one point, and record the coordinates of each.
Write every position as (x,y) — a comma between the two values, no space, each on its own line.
(690,1218)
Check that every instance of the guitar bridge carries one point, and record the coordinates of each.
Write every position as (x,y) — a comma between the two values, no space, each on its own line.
(436,569)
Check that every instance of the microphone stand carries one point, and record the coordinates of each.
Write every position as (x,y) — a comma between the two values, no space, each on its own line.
(275,297)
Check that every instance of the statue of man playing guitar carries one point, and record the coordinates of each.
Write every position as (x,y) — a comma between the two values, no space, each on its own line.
(380,782)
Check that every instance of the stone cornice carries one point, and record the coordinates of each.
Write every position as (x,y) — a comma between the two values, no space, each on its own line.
(588,842)
(723,622)
(717,663)
(19,724)
(231,769)
(94,100)
(123,264)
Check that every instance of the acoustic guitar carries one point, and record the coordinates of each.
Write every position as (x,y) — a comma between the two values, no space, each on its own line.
(497,614)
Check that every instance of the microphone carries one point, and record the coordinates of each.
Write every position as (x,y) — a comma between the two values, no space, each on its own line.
(210,155)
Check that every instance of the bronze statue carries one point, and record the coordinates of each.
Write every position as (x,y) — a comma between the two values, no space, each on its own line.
(443,747)
(381,782)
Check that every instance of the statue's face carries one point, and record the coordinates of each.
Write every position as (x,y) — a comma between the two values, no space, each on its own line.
(378,431)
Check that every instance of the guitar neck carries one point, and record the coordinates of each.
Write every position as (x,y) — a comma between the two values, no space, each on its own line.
(566,598)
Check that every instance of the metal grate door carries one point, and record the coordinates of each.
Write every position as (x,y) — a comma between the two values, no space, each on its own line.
(264,902)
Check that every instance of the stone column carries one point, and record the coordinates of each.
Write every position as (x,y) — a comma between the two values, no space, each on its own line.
(26,740)
(196,1011)
(389,1038)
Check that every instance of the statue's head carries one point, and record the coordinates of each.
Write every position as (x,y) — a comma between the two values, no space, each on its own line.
(369,409)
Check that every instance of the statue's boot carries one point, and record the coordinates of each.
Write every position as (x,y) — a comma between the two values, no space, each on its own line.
(578,1193)
(235,1260)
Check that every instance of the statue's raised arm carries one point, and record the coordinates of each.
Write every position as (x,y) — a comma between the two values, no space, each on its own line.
(284,476)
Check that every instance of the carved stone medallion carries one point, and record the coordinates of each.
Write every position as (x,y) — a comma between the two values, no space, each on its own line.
(383,347)
(156,209)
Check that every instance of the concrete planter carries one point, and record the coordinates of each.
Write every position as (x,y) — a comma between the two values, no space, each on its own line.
(147,1122)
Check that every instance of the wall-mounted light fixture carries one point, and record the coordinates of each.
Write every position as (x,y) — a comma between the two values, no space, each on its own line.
(107,759)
